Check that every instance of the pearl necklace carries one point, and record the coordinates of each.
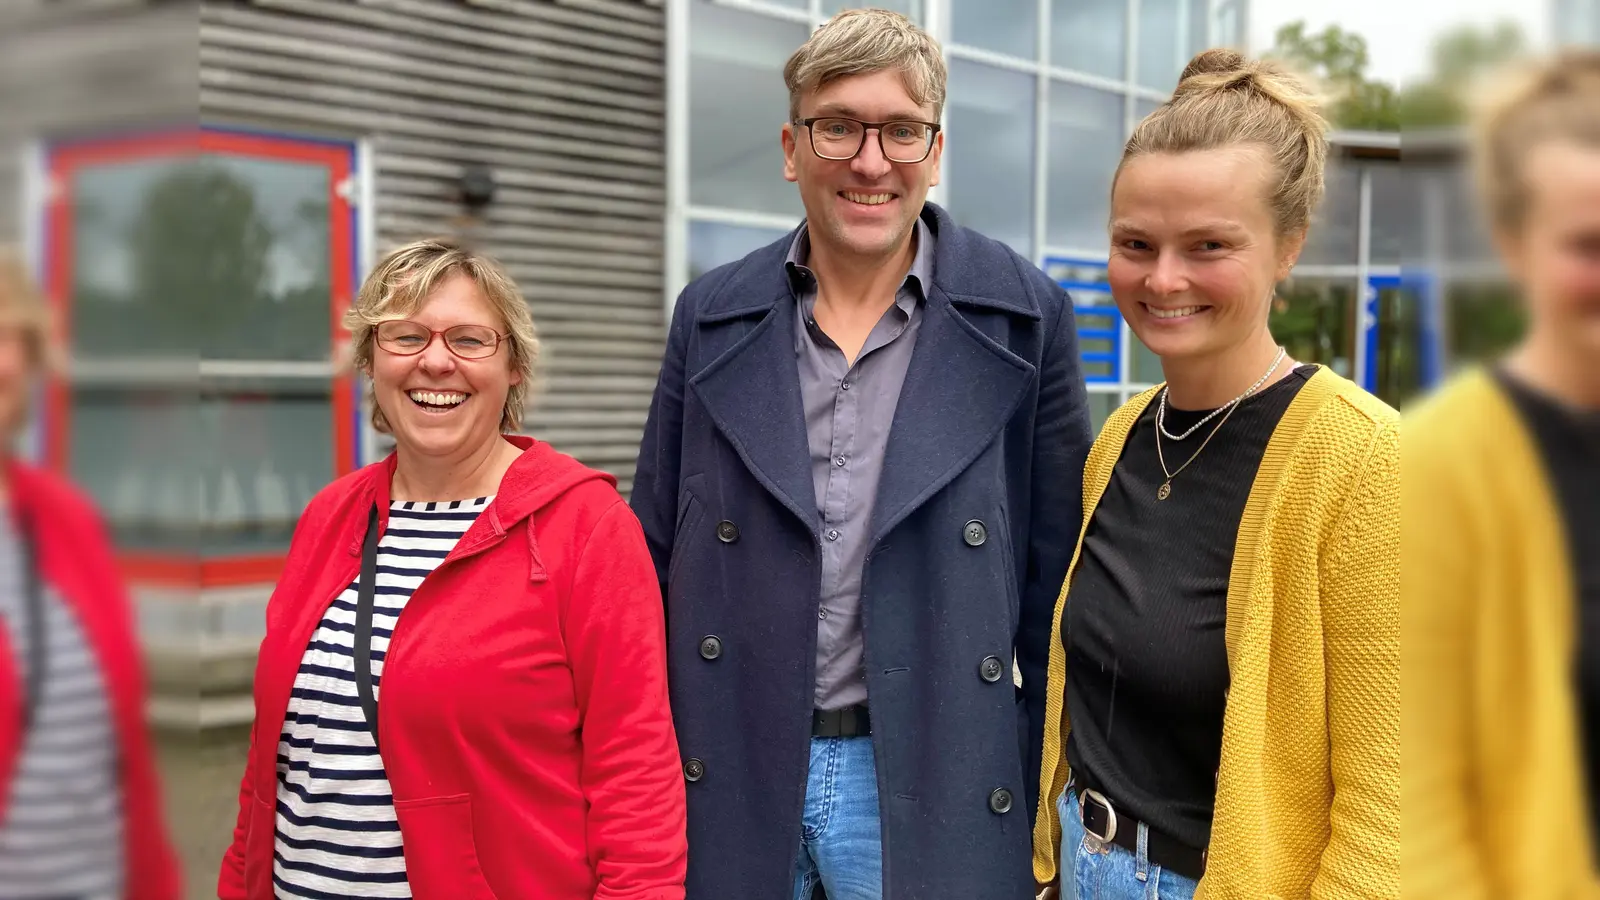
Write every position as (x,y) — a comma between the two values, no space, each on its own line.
(1161,411)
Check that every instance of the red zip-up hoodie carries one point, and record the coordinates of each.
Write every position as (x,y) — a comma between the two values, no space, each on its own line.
(75,558)
(524,722)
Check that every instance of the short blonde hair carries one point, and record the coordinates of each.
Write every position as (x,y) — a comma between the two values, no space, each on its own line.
(405,278)
(23,307)
(1534,103)
(863,42)
(1225,100)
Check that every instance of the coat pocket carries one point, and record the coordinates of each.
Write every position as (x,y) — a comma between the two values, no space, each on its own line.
(259,839)
(441,853)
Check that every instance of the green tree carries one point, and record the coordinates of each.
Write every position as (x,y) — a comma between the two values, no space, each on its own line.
(1340,59)
(1460,57)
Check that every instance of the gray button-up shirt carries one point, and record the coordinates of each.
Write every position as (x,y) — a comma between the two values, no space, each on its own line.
(848,413)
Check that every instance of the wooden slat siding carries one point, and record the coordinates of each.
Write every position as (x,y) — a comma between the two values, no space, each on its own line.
(564,101)
(603,69)
(419,54)
(345,119)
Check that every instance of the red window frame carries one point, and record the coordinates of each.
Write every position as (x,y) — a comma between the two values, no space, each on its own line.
(63,162)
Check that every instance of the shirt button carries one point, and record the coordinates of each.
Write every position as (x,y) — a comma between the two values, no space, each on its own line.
(833,535)
(838,460)
(822,614)
(844,385)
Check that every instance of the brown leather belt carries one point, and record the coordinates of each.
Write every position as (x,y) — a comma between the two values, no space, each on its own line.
(1102,822)
(852,721)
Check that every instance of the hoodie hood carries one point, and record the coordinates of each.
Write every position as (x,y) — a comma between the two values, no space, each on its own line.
(538,478)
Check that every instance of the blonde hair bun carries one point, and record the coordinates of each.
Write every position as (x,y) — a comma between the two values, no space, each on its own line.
(1219,61)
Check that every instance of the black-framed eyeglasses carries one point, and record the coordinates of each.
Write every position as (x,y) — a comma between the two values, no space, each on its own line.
(907,141)
(406,338)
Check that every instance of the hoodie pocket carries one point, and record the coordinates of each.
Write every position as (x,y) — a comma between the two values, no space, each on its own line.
(259,838)
(441,853)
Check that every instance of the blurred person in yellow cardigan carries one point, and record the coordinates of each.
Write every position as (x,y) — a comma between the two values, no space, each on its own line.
(1501,540)
(1227,638)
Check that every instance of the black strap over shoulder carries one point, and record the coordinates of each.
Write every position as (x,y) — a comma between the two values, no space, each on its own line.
(363,636)
(34,626)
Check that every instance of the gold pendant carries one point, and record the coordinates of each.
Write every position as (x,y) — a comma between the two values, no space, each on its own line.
(1165,492)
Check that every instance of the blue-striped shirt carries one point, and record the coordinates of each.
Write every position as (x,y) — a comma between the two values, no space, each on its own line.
(337,835)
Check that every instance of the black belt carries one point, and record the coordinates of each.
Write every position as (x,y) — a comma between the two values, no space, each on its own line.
(1102,822)
(852,721)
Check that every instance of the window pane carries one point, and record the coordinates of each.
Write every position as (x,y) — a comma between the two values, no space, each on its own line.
(1101,406)
(263,228)
(1484,319)
(1399,362)
(1090,36)
(737,106)
(136,452)
(1146,365)
(1086,138)
(271,450)
(1164,41)
(1315,320)
(912,8)
(1142,109)
(224,473)
(988,157)
(1230,25)
(1333,239)
(712,244)
(1003,26)
(1397,207)
(1199,27)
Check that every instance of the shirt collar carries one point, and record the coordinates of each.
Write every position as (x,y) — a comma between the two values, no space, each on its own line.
(919,277)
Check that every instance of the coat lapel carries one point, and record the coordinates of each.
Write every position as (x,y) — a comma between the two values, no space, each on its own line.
(752,393)
(961,390)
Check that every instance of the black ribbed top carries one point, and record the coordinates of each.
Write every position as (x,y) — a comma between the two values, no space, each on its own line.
(1569,446)
(1147,667)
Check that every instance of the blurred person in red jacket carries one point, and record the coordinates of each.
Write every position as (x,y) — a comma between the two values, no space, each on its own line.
(80,800)
(462,690)
(1500,646)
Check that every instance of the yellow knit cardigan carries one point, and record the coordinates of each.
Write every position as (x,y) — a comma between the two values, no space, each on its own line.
(1308,790)
(1493,788)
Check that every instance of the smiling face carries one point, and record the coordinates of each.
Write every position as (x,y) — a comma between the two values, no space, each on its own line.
(866,206)
(435,403)
(1194,250)
(1555,254)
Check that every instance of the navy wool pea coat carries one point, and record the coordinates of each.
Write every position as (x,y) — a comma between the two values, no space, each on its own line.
(977,515)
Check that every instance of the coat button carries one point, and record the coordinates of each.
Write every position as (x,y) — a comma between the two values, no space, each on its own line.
(711,646)
(975,533)
(727,532)
(999,801)
(694,770)
(991,669)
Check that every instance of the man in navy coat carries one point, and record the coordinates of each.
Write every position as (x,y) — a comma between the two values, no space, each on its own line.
(861,481)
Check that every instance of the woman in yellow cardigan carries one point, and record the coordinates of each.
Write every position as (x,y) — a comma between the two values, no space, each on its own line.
(1228,634)
(1502,535)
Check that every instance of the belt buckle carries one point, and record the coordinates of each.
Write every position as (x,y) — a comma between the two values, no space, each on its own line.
(1097,843)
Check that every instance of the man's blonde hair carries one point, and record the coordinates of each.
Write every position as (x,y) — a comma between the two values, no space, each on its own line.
(864,42)
(406,277)
(1533,103)
(23,307)
(1225,100)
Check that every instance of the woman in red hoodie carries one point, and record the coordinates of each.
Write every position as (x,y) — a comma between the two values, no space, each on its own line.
(80,803)
(462,691)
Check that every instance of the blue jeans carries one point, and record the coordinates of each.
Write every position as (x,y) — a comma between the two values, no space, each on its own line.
(841,842)
(1113,873)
